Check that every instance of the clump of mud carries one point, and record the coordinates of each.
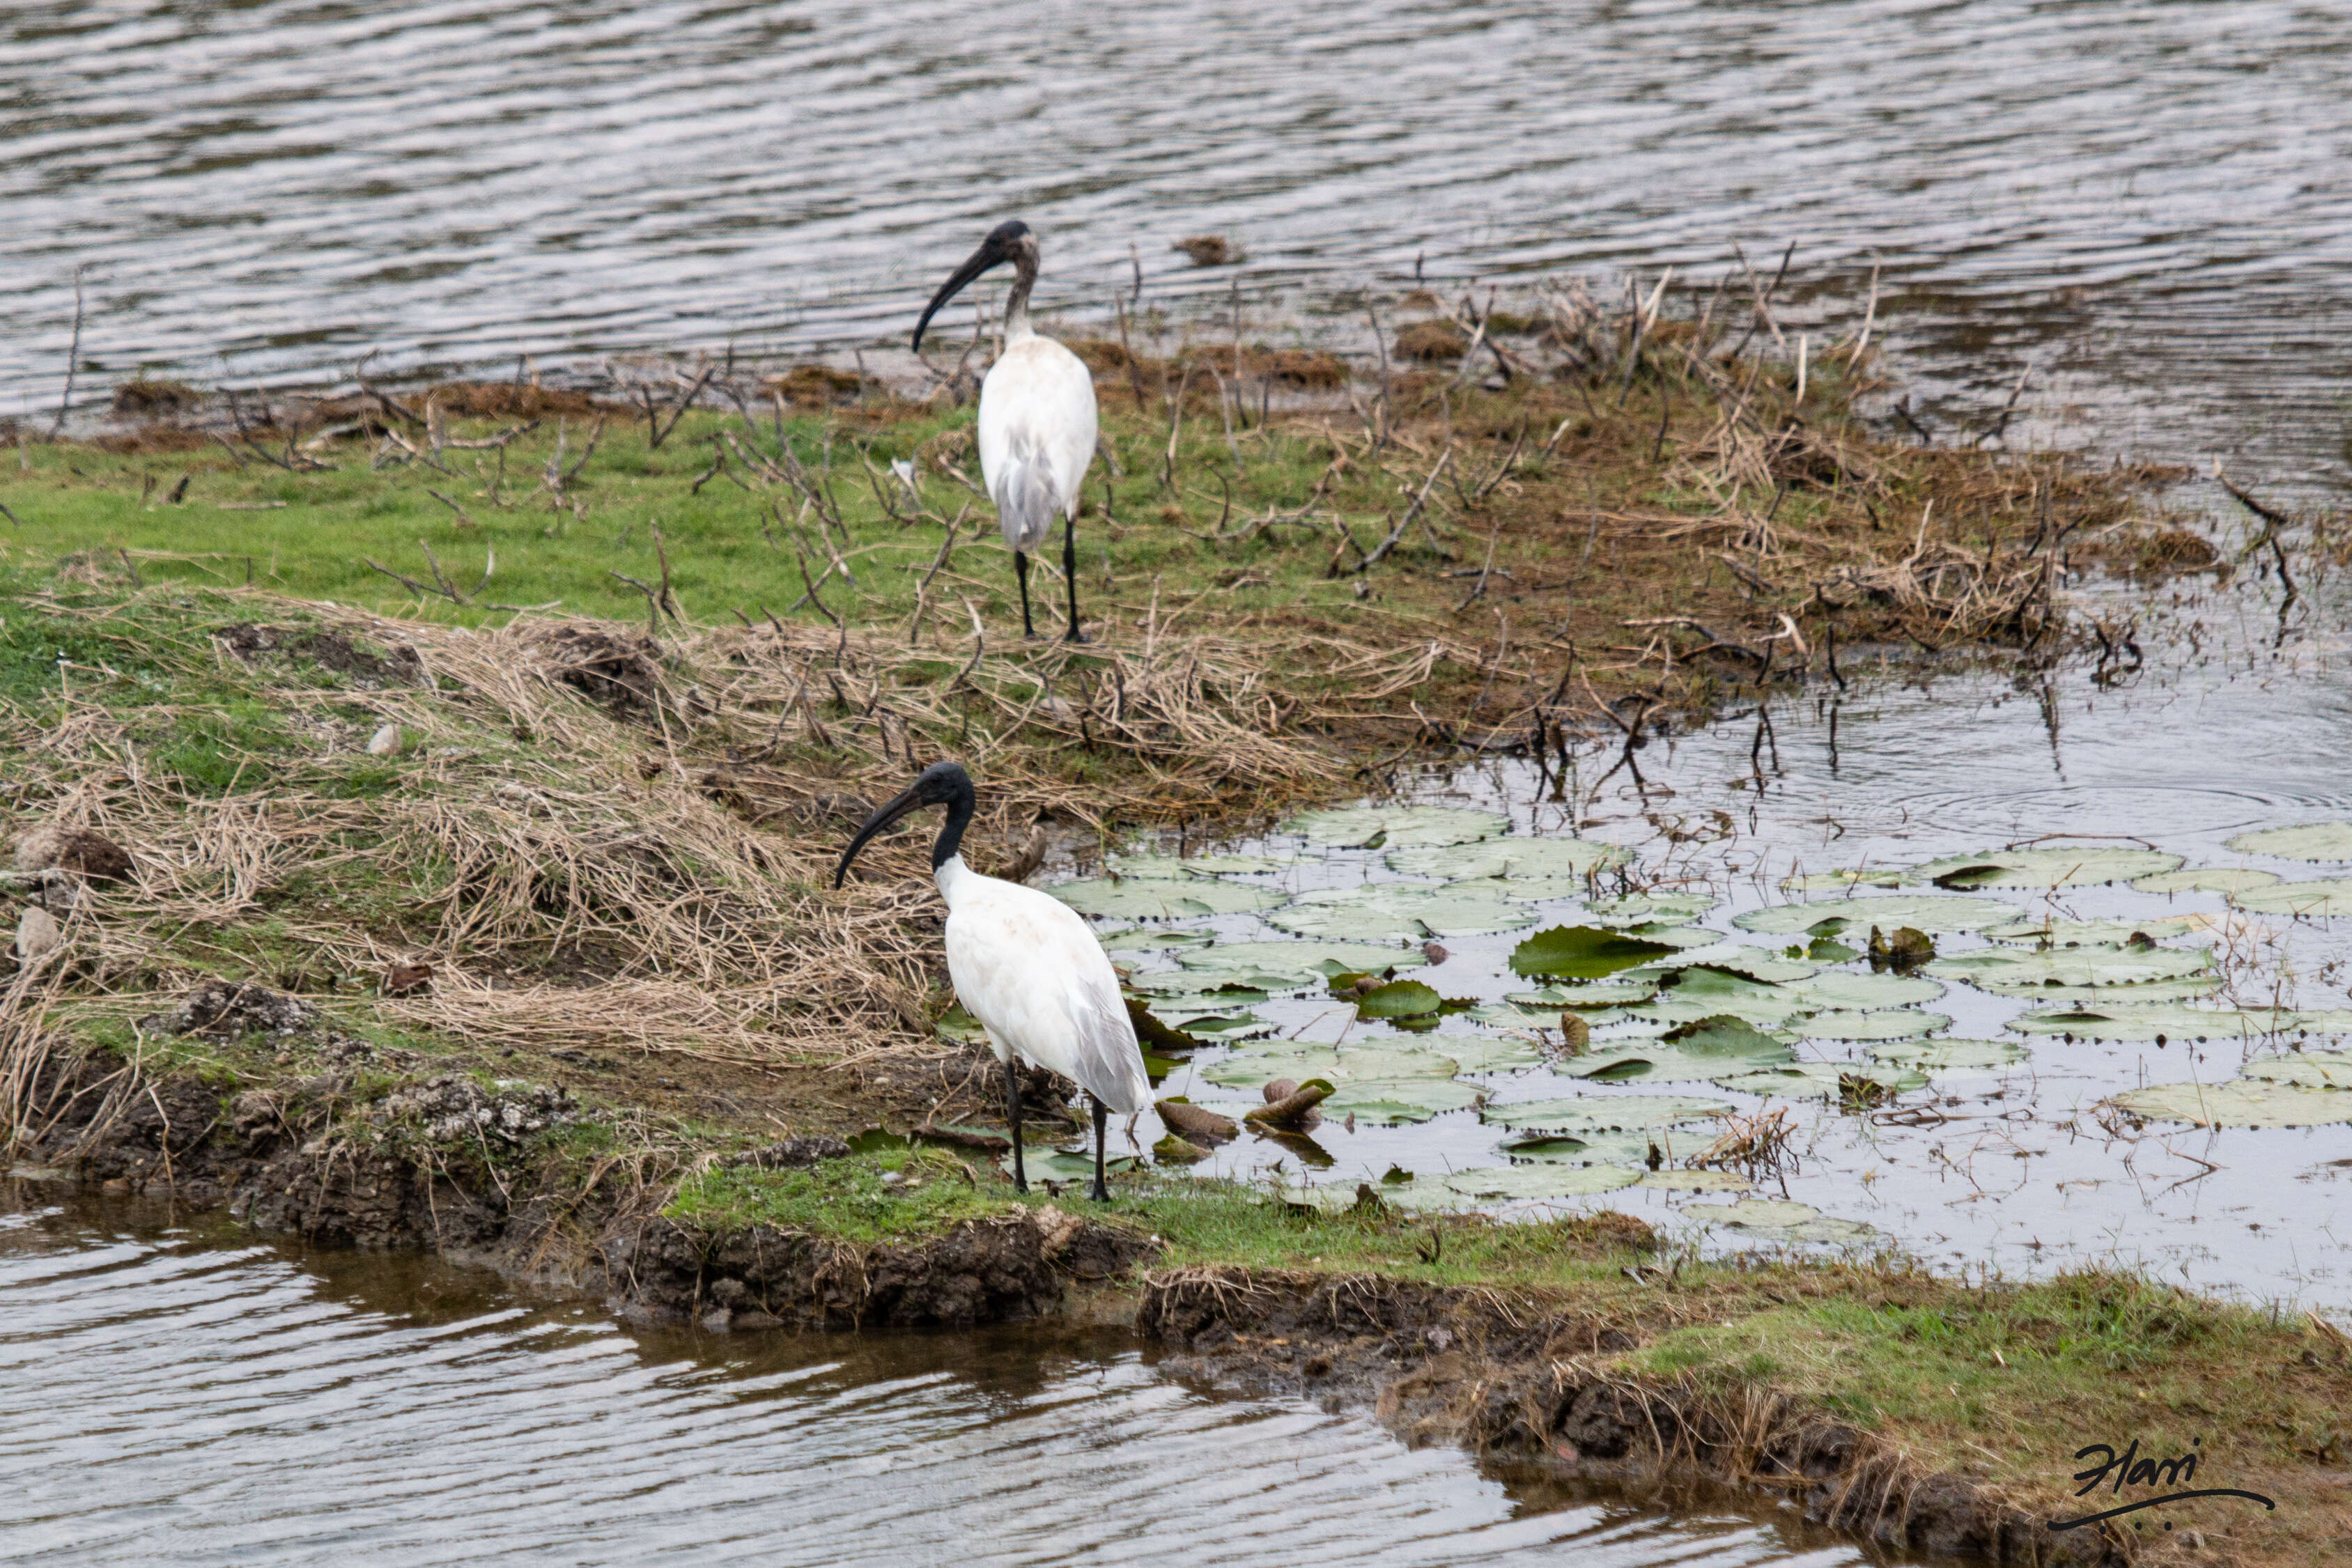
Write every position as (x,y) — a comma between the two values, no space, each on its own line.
(139,399)
(793,1153)
(88,855)
(820,385)
(328,650)
(453,1107)
(1431,339)
(618,671)
(230,1009)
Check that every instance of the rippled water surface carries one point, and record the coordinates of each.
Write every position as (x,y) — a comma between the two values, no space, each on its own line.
(166,1400)
(2143,199)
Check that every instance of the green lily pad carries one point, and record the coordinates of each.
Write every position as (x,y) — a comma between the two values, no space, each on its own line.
(1145,939)
(1222,1025)
(1514,858)
(1736,959)
(1221,999)
(1858,876)
(1923,912)
(2312,1070)
(2305,841)
(2015,970)
(1832,1231)
(2314,900)
(1401,909)
(1604,1112)
(2029,933)
(1593,993)
(1581,953)
(1340,1066)
(2186,990)
(1304,959)
(1395,827)
(959,1025)
(1830,950)
(1760,1213)
(1704,1048)
(1488,1052)
(1866,992)
(2239,1103)
(1942,1056)
(2070,866)
(1894,1023)
(1693,1181)
(1065,1165)
(1651,909)
(2171,1021)
(1149,898)
(1399,999)
(1508,1183)
(1804,1079)
(1394,1102)
(1196,865)
(1594,1148)
(2206,879)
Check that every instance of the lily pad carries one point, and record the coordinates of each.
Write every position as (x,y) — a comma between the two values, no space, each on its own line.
(1196,865)
(1651,908)
(1894,1023)
(1859,876)
(1146,939)
(1704,993)
(1399,999)
(1305,959)
(1943,1056)
(1506,1183)
(959,1025)
(2070,866)
(2099,933)
(1394,1102)
(2312,1070)
(1832,1231)
(2305,841)
(1401,909)
(1340,1066)
(2187,989)
(1865,993)
(2171,1021)
(1151,898)
(2323,897)
(1395,827)
(1764,1213)
(1595,994)
(2015,970)
(1604,1112)
(1693,1181)
(1705,1049)
(1594,1148)
(1736,959)
(1515,858)
(1488,1052)
(2206,879)
(1581,953)
(2239,1103)
(1924,912)
(1804,1079)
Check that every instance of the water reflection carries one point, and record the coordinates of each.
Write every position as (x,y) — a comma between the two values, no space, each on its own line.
(164,1399)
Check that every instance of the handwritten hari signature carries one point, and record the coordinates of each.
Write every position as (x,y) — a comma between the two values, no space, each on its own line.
(2129,1470)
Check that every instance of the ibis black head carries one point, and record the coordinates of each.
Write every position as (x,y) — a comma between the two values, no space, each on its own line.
(940,784)
(1012,241)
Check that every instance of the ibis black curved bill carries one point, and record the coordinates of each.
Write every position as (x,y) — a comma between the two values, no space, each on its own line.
(940,784)
(997,249)
(912,801)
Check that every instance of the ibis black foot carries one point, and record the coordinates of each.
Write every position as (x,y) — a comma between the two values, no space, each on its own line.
(1074,635)
(1100,1193)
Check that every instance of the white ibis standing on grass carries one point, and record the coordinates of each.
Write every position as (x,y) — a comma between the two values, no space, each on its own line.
(1027,967)
(1036,418)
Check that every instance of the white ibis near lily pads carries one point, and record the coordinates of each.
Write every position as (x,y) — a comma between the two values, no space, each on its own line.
(1036,417)
(1027,965)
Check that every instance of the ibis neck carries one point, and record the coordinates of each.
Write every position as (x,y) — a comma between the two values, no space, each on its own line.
(1016,304)
(947,848)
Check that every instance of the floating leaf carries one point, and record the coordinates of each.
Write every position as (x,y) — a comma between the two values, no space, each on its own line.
(2312,1070)
(1895,1023)
(1925,912)
(1399,909)
(1399,999)
(1507,1182)
(2239,1103)
(2159,1020)
(1700,1050)
(1865,993)
(2013,970)
(1858,876)
(1340,1066)
(1943,1056)
(1581,953)
(1604,1112)
(1594,1148)
(1488,1052)
(2098,933)
(2045,868)
(1804,1079)
(1596,994)
(959,1025)
(1197,865)
(1396,1101)
(1399,826)
(2307,842)
(2326,896)
(1829,950)
(1762,1213)
(1144,938)
(2206,879)
(1515,858)
(1693,1181)
(1733,958)
(1147,898)
(1300,958)
(1831,1231)
(1223,1026)
(1651,908)
(2181,990)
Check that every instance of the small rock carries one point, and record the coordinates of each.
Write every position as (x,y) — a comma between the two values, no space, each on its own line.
(39,934)
(86,855)
(385,742)
(228,1009)
(718,1320)
(752,1318)
(1434,952)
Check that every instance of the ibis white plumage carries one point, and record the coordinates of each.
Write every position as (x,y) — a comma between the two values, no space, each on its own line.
(1027,965)
(1037,418)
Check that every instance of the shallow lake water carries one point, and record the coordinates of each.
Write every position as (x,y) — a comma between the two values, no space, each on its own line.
(2143,200)
(171,1397)
(2006,1161)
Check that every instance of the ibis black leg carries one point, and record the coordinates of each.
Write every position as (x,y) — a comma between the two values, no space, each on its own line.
(1020,570)
(1012,1121)
(1102,1192)
(1070,574)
